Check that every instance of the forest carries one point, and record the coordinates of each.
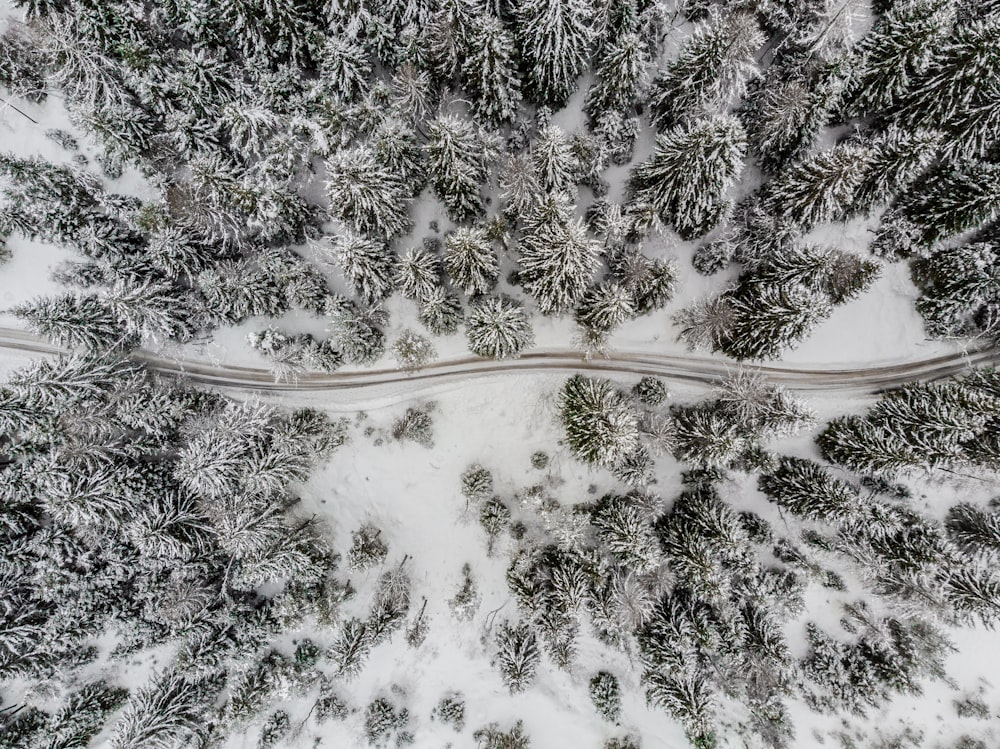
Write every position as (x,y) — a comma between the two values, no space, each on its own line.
(330,185)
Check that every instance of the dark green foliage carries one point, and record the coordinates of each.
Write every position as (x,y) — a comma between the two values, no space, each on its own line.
(710,71)
(606,696)
(684,182)
(651,391)
(974,529)
(601,426)
(555,41)
(451,710)
(806,489)
(382,719)
(517,656)
(492,737)
(959,288)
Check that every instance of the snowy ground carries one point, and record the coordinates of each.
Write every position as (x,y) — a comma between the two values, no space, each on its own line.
(412,493)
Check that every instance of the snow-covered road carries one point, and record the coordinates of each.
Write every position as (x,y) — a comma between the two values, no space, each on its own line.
(692,369)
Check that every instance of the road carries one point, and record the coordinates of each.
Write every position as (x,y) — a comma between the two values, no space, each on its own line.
(692,369)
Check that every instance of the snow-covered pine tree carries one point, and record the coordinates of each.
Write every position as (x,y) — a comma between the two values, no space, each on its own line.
(601,425)
(555,162)
(974,529)
(603,308)
(958,92)
(807,489)
(885,65)
(898,157)
(684,182)
(958,286)
(366,194)
(867,448)
(358,331)
(785,109)
(471,261)
(440,312)
(558,259)
(650,281)
(620,70)
(625,533)
(837,274)
(493,737)
(418,272)
(952,199)
(498,328)
(412,350)
(458,158)
(76,321)
(367,264)
(555,41)
(820,188)
(768,319)
(606,695)
(172,709)
(520,187)
(517,656)
(345,67)
(710,72)
(489,71)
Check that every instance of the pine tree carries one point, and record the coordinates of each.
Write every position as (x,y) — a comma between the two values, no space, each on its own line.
(555,41)
(606,696)
(457,160)
(471,261)
(820,188)
(770,318)
(785,110)
(626,533)
(958,93)
(365,194)
(650,281)
(172,709)
(861,446)
(710,71)
(489,71)
(520,187)
(898,158)
(974,530)
(553,157)
(367,264)
(477,483)
(412,351)
(440,312)
(684,182)
(418,272)
(498,328)
(517,656)
(952,200)
(76,321)
(620,70)
(601,426)
(958,284)
(885,65)
(350,648)
(603,308)
(558,259)
(367,549)
(492,737)
(808,490)
(83,714)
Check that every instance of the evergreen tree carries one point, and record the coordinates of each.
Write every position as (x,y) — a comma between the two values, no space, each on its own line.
(367,264)
(620,69)
(684,182)
(553,157)
(820,188)
(771,318)
(710,71)
(602,309)
(808,490)
(440,312)
(171,710)
(520,187)
(498,328)
(606,696)
(601,426)
(365,194)
(558,259)
(974,530)
(412,351)
(76,321)
(952,199)
(517,656)
(489,71)
(957,92)
(958,286)
(457,160)
(471,261)
(895,54)
(555,41)
(626,533)
(418,272)
(898,158)
(785,109)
